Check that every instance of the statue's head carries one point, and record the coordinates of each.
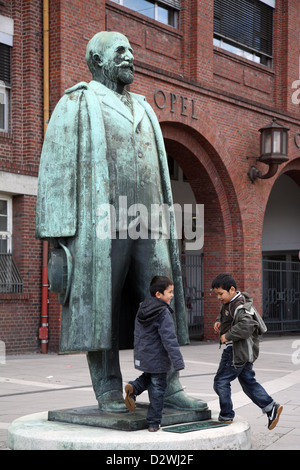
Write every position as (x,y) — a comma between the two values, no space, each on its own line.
(110,57)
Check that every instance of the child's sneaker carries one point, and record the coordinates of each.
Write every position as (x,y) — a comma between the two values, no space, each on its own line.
(225,421)
(130,397)
(273,415)
(153,428)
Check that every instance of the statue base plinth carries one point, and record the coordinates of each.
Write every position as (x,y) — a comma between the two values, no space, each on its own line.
(130,421)
(36,432)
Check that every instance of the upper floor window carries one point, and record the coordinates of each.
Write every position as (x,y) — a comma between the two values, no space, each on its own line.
(4,86)
(4,106)
(6,42)
(245,28)
(165,11)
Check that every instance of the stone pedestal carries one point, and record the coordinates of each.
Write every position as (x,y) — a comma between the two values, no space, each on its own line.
(36,432)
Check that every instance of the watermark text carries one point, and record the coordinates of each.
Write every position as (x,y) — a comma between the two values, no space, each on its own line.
(157,221)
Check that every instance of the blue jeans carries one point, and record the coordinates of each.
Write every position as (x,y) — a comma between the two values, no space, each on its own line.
(156,385)
(226,373)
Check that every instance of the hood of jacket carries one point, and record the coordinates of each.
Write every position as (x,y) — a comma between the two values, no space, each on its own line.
(248,300)
(150,309)
(244,307)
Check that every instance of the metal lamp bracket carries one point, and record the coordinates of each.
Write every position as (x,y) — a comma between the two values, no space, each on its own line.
(254,173)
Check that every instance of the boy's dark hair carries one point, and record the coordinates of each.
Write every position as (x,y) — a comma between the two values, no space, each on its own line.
(225,281)
(159,284)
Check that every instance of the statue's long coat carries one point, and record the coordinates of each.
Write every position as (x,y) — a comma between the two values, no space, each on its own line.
(73,182)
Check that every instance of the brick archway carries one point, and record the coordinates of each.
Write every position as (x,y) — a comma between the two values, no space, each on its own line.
(213,187)
(292,169)
(281,267)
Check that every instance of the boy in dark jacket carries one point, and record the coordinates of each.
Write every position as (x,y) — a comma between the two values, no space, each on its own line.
(155,349)
(239,326)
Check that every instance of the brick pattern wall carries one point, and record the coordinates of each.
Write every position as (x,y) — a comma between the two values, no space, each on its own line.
(20,313)
(19,154)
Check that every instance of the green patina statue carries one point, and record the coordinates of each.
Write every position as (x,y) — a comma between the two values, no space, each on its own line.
(104,145)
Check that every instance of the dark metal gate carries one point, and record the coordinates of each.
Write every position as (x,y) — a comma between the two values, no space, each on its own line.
(281,295)
(192,276)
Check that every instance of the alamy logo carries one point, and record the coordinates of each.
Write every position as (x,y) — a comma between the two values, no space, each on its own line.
(158,221)
(2,353)
(296,354)
(296,94)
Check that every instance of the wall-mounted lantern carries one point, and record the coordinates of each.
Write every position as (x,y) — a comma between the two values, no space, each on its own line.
(273,149)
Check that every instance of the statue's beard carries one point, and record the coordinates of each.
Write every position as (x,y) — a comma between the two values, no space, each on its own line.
(122,73)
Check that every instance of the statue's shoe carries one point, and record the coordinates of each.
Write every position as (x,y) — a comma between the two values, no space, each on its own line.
(180,401)
(112,402)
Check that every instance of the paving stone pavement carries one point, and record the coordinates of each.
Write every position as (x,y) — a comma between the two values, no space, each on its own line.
(34,383)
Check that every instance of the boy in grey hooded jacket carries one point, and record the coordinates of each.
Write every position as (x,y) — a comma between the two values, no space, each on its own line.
(239,326)
(155,349)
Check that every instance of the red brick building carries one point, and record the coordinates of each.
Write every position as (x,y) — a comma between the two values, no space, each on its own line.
(215,73)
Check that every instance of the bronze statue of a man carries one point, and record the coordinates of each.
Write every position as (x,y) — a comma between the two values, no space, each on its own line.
(104,145)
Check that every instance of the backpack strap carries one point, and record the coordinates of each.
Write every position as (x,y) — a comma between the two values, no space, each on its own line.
(262,328)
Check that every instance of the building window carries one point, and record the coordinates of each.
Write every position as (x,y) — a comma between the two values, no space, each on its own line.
(245,28)
(164,11)
(10,279)
(4,107)
(5,83)
(5,224)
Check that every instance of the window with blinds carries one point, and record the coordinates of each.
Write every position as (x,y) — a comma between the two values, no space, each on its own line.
(5,80)
(164,11)
(5,63)
(245,27)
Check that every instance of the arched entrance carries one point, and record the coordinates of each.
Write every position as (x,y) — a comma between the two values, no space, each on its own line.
(190,225)
(281,245)
(212,187)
